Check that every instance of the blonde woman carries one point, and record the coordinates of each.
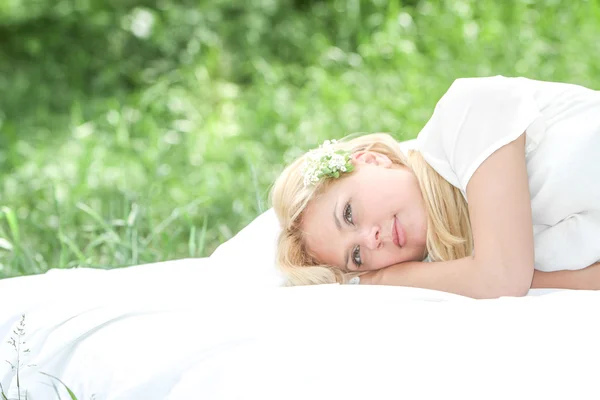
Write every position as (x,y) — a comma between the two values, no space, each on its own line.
(501,194)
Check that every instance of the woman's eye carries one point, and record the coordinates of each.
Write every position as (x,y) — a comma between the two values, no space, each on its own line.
(356,256)
(348,214)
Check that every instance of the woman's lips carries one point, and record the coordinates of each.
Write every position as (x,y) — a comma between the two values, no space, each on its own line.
(398,234)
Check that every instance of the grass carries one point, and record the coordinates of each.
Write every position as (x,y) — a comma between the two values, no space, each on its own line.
(167,146)
(18,343)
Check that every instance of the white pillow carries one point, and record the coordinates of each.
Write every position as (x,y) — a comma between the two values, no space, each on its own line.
(250,254)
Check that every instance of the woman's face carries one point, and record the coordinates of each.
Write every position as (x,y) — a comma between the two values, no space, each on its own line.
(371,219)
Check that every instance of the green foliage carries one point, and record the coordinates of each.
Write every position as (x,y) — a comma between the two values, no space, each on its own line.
(134,131)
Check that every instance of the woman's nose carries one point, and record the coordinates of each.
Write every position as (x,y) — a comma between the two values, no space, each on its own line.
(372,239)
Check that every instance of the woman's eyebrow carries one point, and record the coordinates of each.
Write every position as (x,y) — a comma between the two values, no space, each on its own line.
(335,217)
(346,258)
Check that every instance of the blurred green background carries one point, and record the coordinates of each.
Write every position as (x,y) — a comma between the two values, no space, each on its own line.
(134,131)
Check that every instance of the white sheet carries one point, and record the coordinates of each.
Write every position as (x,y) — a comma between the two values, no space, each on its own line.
(187,329)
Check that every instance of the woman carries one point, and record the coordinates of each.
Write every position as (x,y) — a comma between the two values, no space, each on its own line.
(501,192)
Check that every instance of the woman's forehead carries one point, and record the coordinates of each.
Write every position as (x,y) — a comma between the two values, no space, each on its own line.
(319,231)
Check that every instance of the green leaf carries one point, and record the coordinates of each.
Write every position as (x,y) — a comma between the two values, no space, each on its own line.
(202,239)
(192,241)
(71,394)
(2,393)
(13,224)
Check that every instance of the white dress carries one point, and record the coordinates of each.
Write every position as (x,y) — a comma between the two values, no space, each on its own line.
(477,116)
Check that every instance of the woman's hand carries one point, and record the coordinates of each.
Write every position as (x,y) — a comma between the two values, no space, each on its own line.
(582,279)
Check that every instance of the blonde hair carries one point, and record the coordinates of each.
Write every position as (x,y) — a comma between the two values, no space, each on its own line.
(449,233)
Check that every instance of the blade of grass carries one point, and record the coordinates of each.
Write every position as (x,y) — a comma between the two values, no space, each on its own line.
(135,253)
(64,252)
(2,393)
(132,233)
(71,394)
(175,214)
(56,391)
(255,187)
(13,224)
(73,247)
(202,239)
(192,242)
(98,218)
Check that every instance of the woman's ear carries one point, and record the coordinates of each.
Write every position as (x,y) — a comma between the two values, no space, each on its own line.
(371,157)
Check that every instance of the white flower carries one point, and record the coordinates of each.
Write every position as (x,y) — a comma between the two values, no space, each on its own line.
(325,161)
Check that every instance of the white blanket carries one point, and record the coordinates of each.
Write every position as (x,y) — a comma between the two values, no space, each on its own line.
(189,330)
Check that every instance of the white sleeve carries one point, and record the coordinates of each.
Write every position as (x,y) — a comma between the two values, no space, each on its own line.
(476,117)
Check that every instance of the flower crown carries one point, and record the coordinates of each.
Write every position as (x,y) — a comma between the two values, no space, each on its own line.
(326,161)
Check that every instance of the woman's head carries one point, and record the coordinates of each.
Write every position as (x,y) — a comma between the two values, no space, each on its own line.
(368,219)
(373,217)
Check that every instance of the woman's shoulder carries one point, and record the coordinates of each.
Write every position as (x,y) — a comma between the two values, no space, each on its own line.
(479,107)
(474,118)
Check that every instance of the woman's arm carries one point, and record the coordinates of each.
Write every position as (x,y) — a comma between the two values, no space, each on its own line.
(438,276)
(501,219)
(500,212)
(463,276)
(582,279)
